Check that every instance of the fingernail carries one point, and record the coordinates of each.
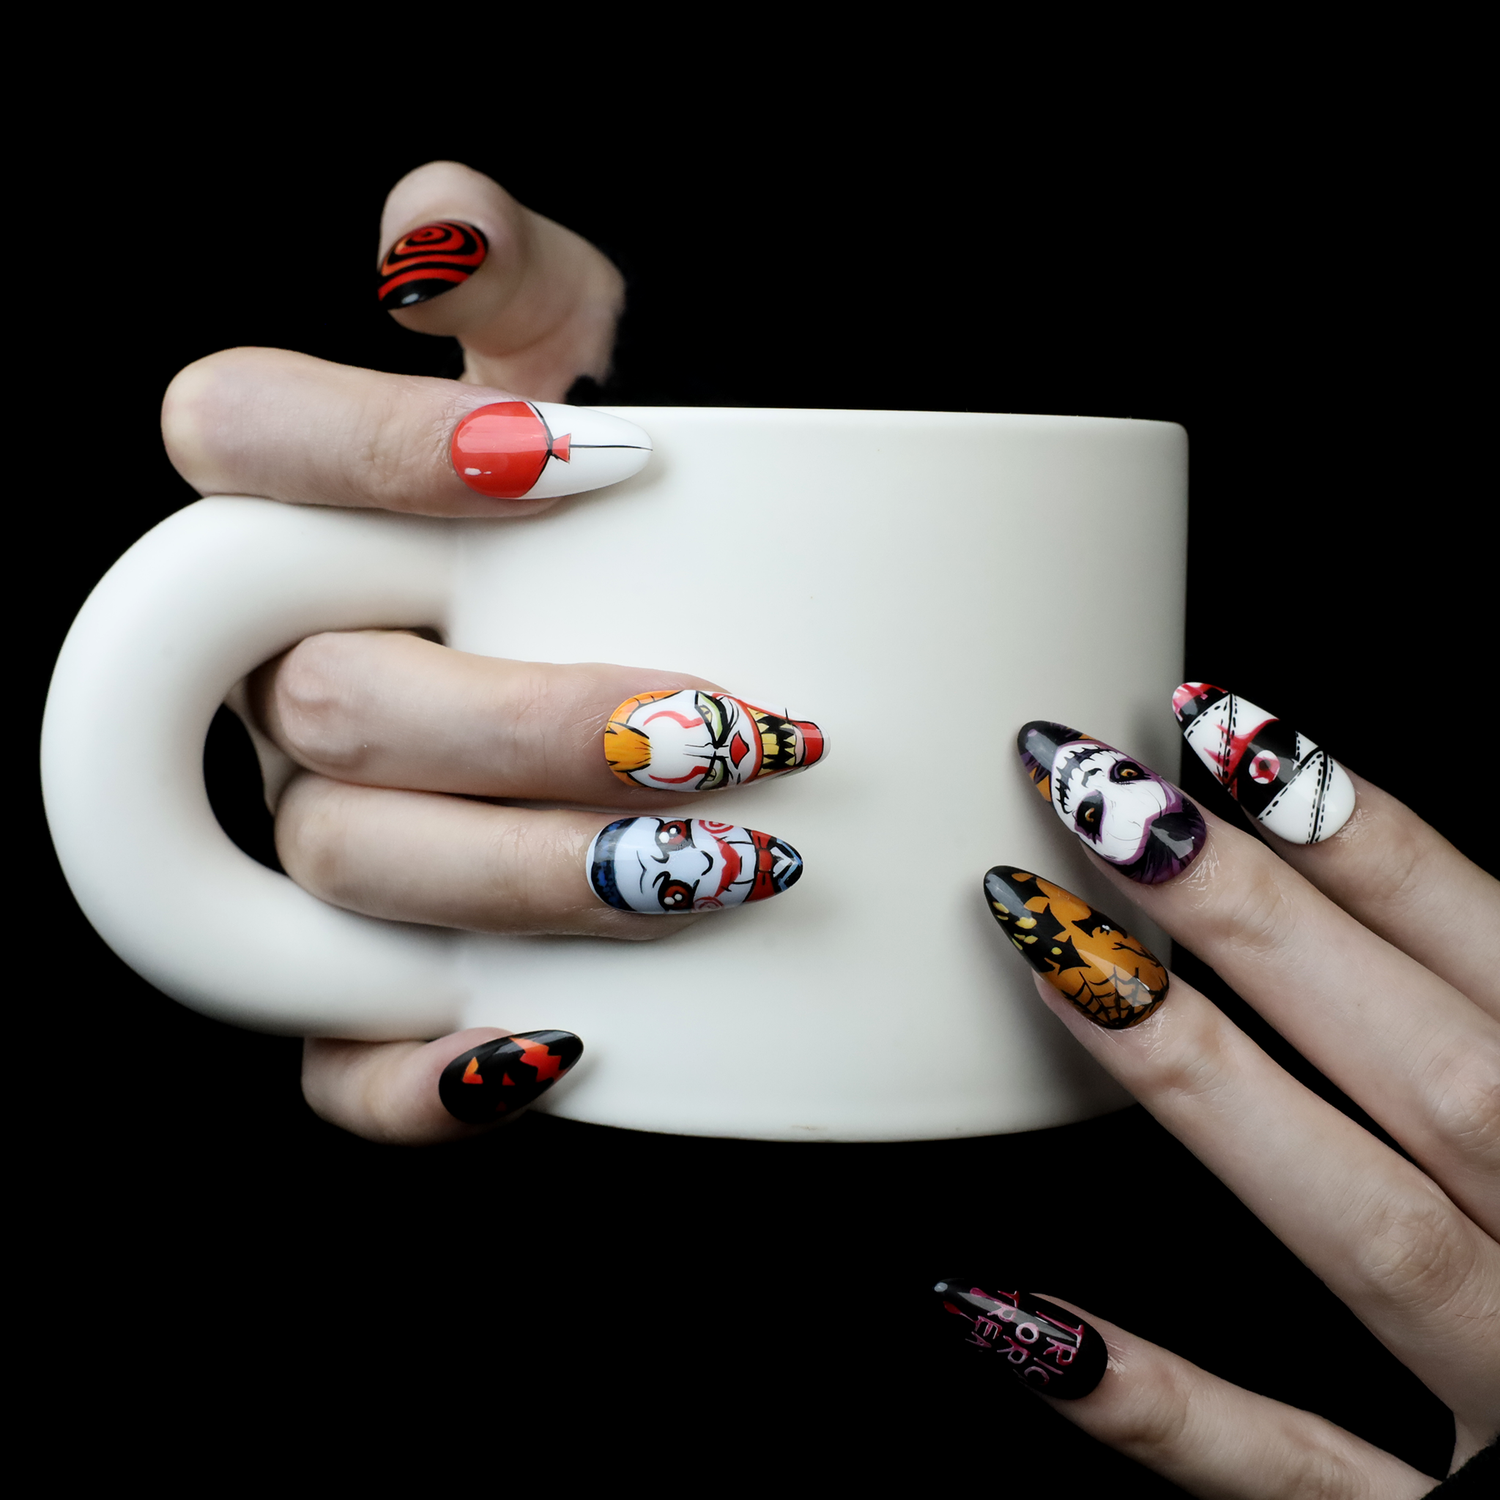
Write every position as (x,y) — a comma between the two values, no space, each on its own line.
(1113,978)
(1121,809)
(497,1078)
(1278,776)
(670,865)
(533,450)
(683,740)
(429,261)
(1044,1346)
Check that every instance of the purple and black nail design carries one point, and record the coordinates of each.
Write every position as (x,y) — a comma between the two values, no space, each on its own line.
(1044,1346)
(498,1077)
(1121,809)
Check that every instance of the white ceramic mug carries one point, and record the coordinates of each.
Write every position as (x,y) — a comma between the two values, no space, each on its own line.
(920,584)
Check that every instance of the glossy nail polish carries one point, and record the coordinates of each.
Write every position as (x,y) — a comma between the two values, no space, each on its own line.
(429,261)
(497,1078)
(530,450)
(1046,1347)
(684,740)
(1113,978)
(1278,776)
(664,866)
(1121,809)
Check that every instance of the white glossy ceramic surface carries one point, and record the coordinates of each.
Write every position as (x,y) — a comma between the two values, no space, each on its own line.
(919,584)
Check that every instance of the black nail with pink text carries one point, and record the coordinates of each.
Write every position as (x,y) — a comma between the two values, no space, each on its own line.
(1047,1348)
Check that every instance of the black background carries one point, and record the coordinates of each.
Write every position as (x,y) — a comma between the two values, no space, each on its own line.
(718,1307)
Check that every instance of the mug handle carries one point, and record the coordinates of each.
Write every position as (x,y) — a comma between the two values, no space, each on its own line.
(192,608)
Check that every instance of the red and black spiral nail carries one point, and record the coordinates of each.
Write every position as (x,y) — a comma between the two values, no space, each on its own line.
(498,1077)
(429,261)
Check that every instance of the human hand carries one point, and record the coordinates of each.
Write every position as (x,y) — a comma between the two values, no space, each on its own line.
(395,766)
(1365,939)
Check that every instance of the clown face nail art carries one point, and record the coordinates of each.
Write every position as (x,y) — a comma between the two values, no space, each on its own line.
(1113,978)
(535,450)
(496,1078)
(663,866)
(1278,776)
(424,263)
(1121,809)
(1046,1347)
(684,740)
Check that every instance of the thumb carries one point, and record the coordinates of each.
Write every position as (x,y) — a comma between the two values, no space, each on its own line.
(533,304)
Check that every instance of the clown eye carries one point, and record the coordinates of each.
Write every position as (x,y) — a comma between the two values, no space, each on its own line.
(1089,816)
(713,716)
(1127,770)
(714,777)
(674,835)
(674,895)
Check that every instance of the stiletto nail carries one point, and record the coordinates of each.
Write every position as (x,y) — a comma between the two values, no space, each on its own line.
(1121,809)
(670,865)
(429,261)
(532,450)
(684,740)
(497,1078)
(1045,1346)
(1113,978)
(1278,776)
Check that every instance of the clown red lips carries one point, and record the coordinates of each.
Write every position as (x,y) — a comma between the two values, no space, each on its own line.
(671,866)
(686,740)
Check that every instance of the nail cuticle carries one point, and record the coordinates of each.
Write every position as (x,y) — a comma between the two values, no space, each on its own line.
(499,1077)
(1047,1348)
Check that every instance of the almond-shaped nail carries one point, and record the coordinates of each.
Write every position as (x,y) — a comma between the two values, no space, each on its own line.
(497,1078)
(1112,977)
(424,263)
(684,740)
(667,866)
(537,450)
(1046,1347)
(1278,776)
(1120,808)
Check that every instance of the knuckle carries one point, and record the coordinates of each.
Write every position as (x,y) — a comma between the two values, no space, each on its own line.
(1154,1430)
(314,705)
(1466,1108)
(1254,915)
(1189,1060)
(1412,1256)
(311,838)
(199,408)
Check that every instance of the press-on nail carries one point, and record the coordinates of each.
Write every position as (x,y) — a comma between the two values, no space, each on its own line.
(684,740)
(534,450)
(1120,808)
(672,865)
(429,261)
(1278,776)
(497,1078)
(1044,1346)
(1113,978)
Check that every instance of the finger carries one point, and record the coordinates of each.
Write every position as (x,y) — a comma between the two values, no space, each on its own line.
(289,427)
(1356,843)
(1417,1271)
(534,305)
(422,1093)
(1210,1437)
(450,862)
(1414,1052)
(362,706)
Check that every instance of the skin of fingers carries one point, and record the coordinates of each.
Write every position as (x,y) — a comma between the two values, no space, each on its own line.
(1402,879)
(385,708)
(1407,1046)
(302,430)
(541,310)
(1385,1239)
(447,861)
(1220,1441)
(388,1091)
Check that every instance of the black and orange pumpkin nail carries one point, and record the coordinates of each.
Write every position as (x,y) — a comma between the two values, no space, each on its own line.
(496,1078)
(424,263)
(1113,978)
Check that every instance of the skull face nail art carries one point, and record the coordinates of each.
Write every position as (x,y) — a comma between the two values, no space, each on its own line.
(1120,808)
(666,866)
(1113,978)
(685,740)
(1278,776)
(498,1077)
(424,263)
(1046,1347)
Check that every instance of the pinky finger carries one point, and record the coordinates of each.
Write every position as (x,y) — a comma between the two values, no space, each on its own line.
(1212,1438)
(423,1093)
